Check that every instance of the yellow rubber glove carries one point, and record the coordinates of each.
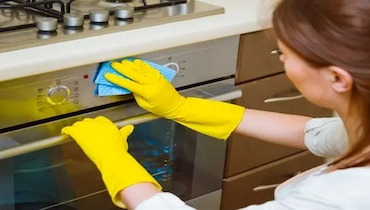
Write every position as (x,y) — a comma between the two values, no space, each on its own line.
(156,95)
(107,147)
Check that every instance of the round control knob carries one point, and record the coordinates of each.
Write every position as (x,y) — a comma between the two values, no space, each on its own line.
(99,16)
(173,66)
(124,12)
(73,20)
(58,95)
(47,24)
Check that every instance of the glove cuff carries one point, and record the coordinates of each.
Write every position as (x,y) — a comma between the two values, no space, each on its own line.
(122,172)
(213,118)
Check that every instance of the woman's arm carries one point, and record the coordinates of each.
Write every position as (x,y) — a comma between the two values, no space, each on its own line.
(274,127)
(145,196)
(136,194)
(324,137)
(213,118)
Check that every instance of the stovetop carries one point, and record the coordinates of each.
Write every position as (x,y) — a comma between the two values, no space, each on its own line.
(29,23)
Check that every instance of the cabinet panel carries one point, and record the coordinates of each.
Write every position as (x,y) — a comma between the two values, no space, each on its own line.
(245,153)
(257,186)
(255,59)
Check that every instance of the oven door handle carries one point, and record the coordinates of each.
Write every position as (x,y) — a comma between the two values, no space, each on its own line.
(56,140)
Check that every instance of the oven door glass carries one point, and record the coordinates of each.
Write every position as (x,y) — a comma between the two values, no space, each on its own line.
(186,163)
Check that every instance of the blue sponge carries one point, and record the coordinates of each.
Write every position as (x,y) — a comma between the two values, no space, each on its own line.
(105,88)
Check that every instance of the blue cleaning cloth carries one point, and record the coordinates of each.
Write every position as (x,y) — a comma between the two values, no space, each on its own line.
(105,88)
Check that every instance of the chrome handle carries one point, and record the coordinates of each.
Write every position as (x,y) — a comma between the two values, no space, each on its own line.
(272,186)
(271,100)
(265,187)
(276,52)
(57,140)
(289,95)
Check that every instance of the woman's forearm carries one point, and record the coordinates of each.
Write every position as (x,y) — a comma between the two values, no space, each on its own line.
(136,194)
(146,196)
(283,129)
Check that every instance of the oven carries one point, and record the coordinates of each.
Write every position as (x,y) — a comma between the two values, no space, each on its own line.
(41,169)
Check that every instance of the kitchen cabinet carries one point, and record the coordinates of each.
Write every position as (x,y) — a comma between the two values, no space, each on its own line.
(257,186)
(256,59)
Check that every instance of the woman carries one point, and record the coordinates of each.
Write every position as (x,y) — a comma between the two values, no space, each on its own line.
(325,49)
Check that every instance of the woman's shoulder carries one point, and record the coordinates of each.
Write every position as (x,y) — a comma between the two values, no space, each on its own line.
(355,175)
(347,188)
(326,137)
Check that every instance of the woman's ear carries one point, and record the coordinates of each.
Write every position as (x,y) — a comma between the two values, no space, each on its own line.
(341,80)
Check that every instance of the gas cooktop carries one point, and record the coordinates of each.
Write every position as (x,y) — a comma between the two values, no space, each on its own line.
(29,23)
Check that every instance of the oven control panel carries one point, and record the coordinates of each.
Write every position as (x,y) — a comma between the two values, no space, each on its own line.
(57,93)
(70,90)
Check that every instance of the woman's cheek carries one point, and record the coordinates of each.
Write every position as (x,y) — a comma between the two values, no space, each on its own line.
(291,73)
(288,70)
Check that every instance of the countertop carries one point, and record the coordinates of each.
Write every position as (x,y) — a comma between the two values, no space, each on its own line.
(241,16)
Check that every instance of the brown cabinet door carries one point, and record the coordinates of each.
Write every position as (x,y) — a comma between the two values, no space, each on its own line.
(255,57)
(257,186)
(245,153)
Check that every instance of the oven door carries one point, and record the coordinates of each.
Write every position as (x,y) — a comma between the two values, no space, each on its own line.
(42,170)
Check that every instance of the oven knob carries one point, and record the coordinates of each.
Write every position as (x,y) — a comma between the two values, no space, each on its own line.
(124,12)
(73,20)
(99,16)
(58,94)
(47,24)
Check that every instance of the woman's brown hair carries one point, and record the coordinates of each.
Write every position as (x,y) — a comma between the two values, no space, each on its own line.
(334,33)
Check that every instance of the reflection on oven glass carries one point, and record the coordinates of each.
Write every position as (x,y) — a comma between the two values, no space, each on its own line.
(154,145)
(156,154)
(34,181)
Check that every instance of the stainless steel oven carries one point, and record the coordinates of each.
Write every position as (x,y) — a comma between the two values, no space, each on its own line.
(41,169)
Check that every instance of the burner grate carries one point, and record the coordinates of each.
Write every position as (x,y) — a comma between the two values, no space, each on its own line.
(40,8)
(44,8)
